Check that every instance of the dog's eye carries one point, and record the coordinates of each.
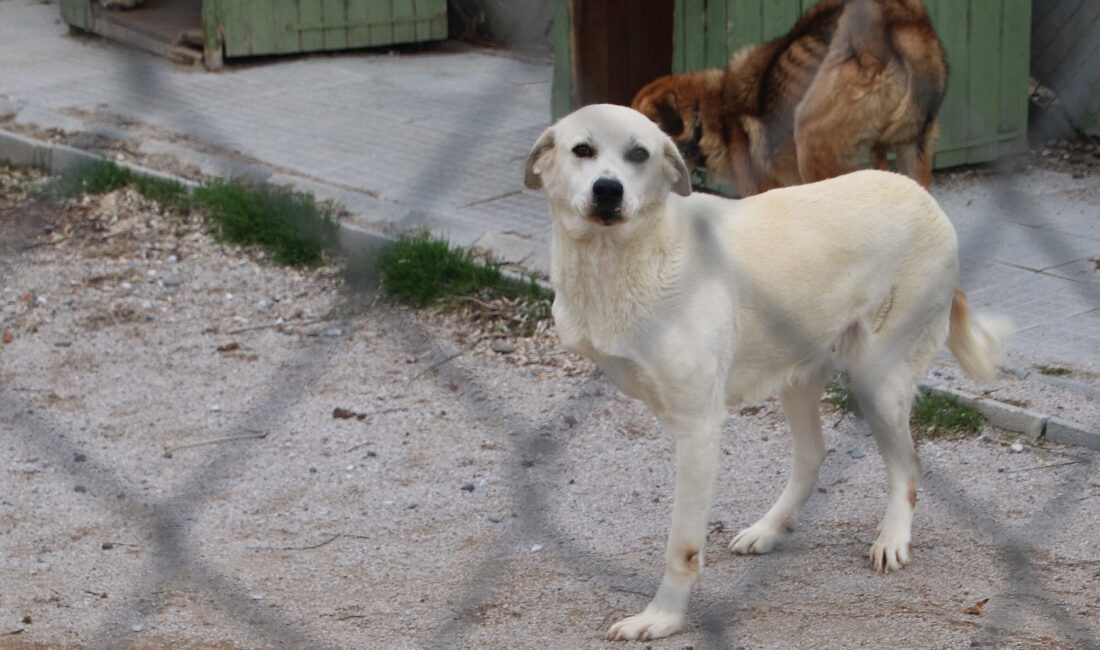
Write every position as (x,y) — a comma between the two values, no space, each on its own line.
(583,151)
(637,155)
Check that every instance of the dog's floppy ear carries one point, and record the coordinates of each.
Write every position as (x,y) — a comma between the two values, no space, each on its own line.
(667,110)
(539,160)
(674,168)
(657,100)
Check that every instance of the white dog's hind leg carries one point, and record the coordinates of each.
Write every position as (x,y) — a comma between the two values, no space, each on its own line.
(697,451)
(885,404)
(801,407)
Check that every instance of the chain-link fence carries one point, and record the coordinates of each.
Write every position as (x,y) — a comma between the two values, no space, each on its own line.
(469,502)
(1064,38)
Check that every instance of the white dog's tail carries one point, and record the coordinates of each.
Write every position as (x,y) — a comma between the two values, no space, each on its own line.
(975,341)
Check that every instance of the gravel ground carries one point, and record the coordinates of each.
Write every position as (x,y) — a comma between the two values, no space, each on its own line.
(202,450)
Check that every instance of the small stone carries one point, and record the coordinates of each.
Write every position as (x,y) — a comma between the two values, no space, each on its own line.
(855,453)
(502,346)
(570,421)
(79,457)
(334,332)
(468,487)
(536,548)
(106,546)
(496,519)
(137,627)
(371,453)
(214,408)
(1016,447)
(172,280)
(80,488)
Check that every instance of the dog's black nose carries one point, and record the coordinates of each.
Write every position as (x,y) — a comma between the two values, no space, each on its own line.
(607,191)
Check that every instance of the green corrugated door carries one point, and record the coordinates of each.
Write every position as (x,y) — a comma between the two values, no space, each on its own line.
(984,114)
(258,27)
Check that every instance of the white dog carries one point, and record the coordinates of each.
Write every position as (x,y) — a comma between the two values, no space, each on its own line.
(692,303)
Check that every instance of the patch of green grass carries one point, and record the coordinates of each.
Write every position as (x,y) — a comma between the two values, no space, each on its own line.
(102,177)
(1052,371)
(936,415)
(839,394)
(290,225)
(169,193)
(90,178)
(933,415)
(422,270)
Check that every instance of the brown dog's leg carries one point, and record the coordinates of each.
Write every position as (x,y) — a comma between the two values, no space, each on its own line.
(915,158)
(878,156)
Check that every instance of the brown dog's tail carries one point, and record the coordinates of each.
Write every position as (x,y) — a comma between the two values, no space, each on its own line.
(861,34)
(977,342)
(878,32)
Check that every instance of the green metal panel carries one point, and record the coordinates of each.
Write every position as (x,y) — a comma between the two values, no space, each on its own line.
(317,13)
(1015,69)
(691,51)
(235,28)
(952,20)
(359,33)
(258,27)
(984,114)
(76,13)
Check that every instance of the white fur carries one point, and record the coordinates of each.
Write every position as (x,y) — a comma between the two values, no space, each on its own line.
(694,302)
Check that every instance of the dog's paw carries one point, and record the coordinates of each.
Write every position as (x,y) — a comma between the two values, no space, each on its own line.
(650,624)
(889,554)
(757,539)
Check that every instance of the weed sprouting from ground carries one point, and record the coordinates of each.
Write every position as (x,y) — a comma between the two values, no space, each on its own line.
(90,178)
(421,270)
(294,228)
(1053,371)
(933,415)
(418,269)
(105,176)
(290,225)
(839,394)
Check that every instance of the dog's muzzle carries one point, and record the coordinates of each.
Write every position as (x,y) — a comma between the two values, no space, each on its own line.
(607,200)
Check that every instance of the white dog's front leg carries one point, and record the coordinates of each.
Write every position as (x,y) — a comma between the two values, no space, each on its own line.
(696,465)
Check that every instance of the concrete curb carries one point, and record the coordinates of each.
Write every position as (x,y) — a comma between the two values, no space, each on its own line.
(1034,425)
(356,242)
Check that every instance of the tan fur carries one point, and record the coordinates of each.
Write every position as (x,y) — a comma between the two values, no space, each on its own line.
(693,302)
(852,77)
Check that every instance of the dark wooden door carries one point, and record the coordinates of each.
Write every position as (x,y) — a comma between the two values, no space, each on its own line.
(618,46)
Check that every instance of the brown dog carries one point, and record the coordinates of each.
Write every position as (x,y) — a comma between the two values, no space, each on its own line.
(852,76)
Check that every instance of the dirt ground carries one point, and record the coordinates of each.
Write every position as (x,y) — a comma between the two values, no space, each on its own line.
(201,450)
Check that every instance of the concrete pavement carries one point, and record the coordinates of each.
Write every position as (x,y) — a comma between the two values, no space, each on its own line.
(437,140)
